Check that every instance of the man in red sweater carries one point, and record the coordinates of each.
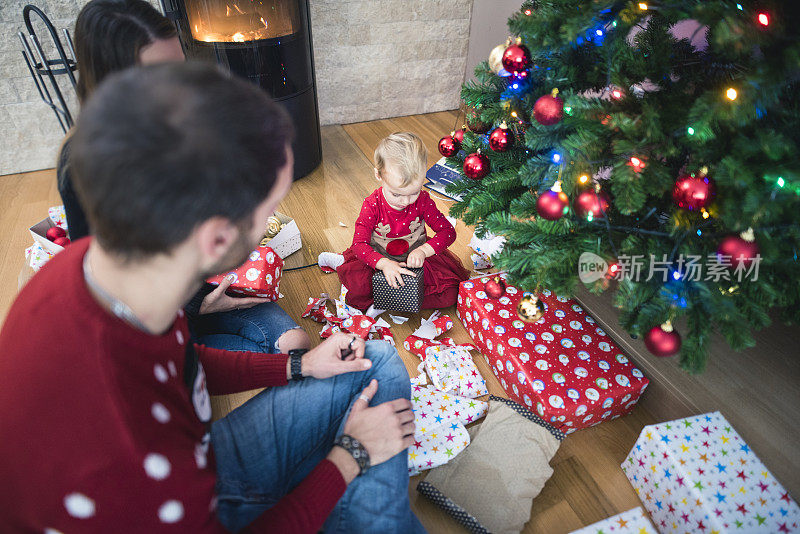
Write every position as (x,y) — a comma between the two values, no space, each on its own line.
(106,426)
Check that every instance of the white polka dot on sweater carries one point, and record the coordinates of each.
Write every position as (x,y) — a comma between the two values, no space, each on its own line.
(79,505)
(179,335)
(170,512)
(156,466)
(160,372)
(172,369)
(52,531)
(160,412)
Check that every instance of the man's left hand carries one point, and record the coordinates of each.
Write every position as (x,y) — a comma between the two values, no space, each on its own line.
(218,301)
(341,353)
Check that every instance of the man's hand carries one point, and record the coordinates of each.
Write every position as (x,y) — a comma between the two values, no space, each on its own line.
(393,271)
(341,353)
(384,430)
(218,301)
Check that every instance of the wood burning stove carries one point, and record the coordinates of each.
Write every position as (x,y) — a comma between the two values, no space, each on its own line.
(267,42)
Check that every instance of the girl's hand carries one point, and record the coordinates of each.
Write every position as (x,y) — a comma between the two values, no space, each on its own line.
(393,272)
(416,258)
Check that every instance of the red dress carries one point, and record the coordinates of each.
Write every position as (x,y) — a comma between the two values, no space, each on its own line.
(382,231)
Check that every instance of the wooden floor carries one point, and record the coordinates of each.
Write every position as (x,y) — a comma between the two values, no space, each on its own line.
(587,483)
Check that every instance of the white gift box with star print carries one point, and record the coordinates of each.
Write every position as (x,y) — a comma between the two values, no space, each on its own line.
(698,475)
(633,521)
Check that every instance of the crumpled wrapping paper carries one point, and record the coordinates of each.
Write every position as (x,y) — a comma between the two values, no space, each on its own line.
(58,216)
(449,365)
(259,276)
(440,433)
(37,256)
(346,319)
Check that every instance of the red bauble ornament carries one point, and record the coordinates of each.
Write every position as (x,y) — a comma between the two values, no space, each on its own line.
(459,135)
(663,340)
(551,205)
(62,241)
(548,110)
(693,192)
(55,232)
(516,59)
(591,202)
(476,166)
(501,139)
(495,287)
(741,248)
(448,146)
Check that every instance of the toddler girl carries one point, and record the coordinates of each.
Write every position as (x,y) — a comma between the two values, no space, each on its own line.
(390,231)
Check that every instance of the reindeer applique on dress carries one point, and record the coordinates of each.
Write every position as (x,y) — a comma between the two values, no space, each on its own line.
(382,231)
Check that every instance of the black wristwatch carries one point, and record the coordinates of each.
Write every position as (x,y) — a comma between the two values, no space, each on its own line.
(296,363)
(356,450)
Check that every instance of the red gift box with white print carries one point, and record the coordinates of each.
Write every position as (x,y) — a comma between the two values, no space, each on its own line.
(260,275)
(563,365)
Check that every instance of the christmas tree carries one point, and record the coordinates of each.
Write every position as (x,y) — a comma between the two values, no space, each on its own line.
(661,137)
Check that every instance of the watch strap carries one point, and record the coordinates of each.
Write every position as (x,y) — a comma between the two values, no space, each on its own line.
(356,450)
(296,363)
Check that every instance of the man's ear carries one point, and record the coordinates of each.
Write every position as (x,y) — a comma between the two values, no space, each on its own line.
(214,238)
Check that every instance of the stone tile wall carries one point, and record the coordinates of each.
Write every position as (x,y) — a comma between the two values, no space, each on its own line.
(374,59)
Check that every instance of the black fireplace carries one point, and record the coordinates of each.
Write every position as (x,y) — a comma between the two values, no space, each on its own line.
(267,42)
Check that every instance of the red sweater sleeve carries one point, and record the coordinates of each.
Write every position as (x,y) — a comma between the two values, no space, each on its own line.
(445,233)
(232,372)
(365,224)
(306,508)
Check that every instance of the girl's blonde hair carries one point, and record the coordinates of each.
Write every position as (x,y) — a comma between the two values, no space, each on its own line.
(406,152)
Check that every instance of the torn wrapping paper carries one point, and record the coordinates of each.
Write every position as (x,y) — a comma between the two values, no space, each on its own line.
(433,326)
(58,216)
(398,319)
(481,261)
(449,366)
(37,256)
(439,419)
(260,276)
(485,248)
(346,319)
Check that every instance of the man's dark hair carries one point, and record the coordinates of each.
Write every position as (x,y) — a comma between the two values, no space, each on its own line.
(109,34)
(158,150)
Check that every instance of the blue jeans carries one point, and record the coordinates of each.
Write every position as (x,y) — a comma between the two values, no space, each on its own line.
(256,329)
(266,447)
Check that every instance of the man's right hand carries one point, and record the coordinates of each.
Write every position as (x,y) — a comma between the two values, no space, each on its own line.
(385,429)
(393,272)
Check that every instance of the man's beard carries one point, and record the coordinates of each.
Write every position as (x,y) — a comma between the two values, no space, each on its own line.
(239,252)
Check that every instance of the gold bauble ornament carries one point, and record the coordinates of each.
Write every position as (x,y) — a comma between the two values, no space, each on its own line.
(530,309)
(496,56)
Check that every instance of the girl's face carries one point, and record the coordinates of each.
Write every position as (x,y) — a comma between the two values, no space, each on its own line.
(397,197)
(162,51)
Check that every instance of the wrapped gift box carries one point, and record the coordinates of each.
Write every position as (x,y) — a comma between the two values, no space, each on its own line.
(564,365)
(698,475)
(406,298)
(631,522)
(260,276)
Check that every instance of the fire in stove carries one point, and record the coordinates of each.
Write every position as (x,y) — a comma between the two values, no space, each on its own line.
(239,21)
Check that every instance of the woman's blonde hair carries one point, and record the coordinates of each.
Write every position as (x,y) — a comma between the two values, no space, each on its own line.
(406,152)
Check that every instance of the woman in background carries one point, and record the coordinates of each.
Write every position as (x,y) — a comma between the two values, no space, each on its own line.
(112,35)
